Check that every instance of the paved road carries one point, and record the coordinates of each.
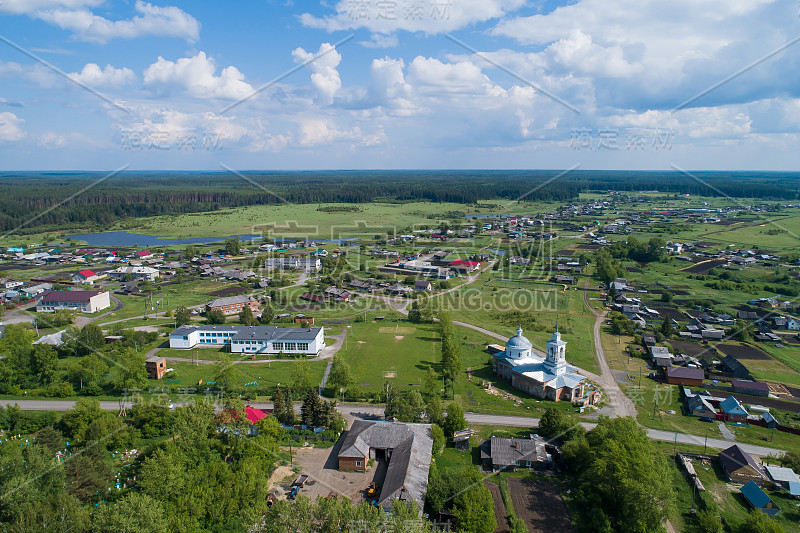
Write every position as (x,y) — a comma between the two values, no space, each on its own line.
(361,411)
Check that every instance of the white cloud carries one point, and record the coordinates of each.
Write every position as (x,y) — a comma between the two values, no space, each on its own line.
(167,21)
(324,76)
(378,40)
(11,127)
(34,73)
(28,7)
(432,17)
(196,75)
(182,131)
(51,141)
(93,76)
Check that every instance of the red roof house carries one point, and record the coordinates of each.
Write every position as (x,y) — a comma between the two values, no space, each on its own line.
(464,266)
(254,415)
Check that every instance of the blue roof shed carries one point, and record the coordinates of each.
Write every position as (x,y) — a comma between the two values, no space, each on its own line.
(759,499)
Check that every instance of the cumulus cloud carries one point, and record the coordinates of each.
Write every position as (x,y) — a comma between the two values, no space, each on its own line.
(11,127)
(378,40)
(167,21)
(324,76)
(196,75)
(436,16)
(27,7)
(646,54)
(35,73)
(93,76)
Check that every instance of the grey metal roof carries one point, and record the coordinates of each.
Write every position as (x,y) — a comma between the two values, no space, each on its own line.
(506,452)
(409,465)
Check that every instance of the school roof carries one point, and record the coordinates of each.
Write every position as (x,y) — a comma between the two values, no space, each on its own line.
(753,494)
(68,296)
(253,332)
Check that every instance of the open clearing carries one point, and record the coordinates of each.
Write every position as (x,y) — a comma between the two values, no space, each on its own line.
(540,505)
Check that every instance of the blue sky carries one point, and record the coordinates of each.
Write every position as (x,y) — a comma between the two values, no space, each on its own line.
(629,84)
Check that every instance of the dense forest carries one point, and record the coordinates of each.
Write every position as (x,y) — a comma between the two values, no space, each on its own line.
(62,199)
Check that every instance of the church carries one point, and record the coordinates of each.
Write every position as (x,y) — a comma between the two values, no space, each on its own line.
(551,378)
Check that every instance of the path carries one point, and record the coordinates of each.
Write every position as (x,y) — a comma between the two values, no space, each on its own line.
(618,403)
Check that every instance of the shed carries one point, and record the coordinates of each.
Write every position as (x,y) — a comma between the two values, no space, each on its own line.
(753,388)
(678,375)
(759,499)
(781,477)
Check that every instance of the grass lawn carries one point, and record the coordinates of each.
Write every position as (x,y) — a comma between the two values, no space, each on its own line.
(267,375)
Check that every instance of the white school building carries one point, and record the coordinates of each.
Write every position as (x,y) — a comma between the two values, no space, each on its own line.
(251,339)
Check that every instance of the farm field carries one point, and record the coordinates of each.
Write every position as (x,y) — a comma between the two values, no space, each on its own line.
(306,221)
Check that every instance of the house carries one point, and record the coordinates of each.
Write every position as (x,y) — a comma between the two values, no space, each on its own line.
(786,322)
(734,367)
(82,301)
(423,286)
(156,367)
(747,315)
(699,405)
(251,340)
(397,289)
(680,375)
(134,273)
(717,334)
(500,453)
(649,340)
(733,410)
(405,447)
(739,466)
(254,416)
(233,305)
(563,279)
(313,298)
(8,283)
(143,254)
(758,499)
(32,290)
(304,319)
(781,477)
(87,277)
(753,388)
(339,295)
(464,267)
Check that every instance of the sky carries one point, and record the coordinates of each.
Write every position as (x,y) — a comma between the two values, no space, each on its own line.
(399,84)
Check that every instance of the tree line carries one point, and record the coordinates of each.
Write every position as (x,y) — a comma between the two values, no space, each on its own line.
(82,199)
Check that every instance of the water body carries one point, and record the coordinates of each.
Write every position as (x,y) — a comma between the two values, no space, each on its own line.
(501,253)
(124,238)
